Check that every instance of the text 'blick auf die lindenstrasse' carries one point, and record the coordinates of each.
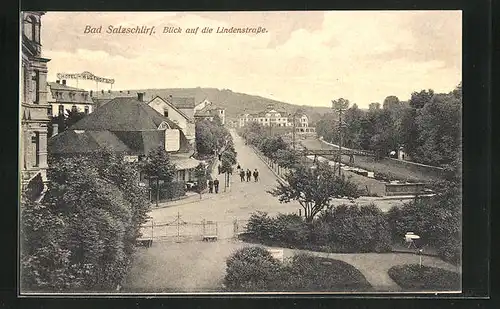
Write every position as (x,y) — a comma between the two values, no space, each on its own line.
(150,30)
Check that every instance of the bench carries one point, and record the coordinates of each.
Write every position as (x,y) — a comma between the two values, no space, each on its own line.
(209,237)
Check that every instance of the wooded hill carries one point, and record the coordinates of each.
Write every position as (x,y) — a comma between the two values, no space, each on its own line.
(236,103)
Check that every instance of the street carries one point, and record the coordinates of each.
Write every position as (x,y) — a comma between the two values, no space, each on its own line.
(240,200)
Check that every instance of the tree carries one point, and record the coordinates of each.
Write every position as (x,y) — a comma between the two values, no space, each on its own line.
(270,145)
(390,102)
(82,234)
(314,188)
(419,99)
(158,164)
(200,173)
(439,125)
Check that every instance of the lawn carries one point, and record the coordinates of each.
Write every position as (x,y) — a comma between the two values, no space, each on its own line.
(254,270)
(414,277)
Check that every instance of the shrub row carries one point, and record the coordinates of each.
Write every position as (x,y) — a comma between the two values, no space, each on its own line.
(169,190)
(346,228)
(353,228)
(254,269)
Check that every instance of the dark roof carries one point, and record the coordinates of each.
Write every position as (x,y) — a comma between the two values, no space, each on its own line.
(179,102)
(123,114)
(123,124)
(70,141)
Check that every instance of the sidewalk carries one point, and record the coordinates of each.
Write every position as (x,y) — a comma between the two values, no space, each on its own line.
(192,197)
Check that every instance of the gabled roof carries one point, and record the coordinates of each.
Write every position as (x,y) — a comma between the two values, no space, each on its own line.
(122,114)
(171,105)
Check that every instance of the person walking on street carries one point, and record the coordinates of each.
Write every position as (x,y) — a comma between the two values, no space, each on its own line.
(249,175)
(216,185)
(210,186)
(219,168)
(256,175)
(242,175)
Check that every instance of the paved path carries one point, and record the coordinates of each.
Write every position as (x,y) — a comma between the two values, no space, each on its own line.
(201,266)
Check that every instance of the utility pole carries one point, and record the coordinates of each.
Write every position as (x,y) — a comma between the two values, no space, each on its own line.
(340,105)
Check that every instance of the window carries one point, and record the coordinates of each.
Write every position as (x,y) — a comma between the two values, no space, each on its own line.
(35,138)
(86,110)
(61,109)
(165,112)
(49,110)
(36,80)
(74,108)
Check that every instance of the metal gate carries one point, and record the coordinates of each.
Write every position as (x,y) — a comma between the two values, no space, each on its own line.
(179,230)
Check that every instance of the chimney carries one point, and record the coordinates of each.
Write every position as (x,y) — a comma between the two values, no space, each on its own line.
(102,91)
(55,129)
(140,96)
(58,81)
(64,82)
(91,92)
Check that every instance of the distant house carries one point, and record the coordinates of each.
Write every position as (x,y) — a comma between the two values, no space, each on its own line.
(129,126)
(277,118)
(62,97)
(169,110)
(208,110)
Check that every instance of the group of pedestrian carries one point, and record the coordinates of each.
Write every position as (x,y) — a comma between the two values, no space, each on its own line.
(248,173)
(213,184)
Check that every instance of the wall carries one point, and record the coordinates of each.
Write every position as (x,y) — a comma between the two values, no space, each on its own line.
(404,189)
(69,106)
(160,106)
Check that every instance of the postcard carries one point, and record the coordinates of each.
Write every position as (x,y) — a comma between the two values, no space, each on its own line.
(224,153)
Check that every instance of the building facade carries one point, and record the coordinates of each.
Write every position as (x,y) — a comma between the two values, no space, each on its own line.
(274,118)
(170,111)
(208,110)
(62,98)
(33,101)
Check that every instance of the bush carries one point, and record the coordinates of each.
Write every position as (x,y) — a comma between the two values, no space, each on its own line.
(309,273)
(414,277)
(251,269)
(169,190)
(254,269)
(352,228)
(341,229)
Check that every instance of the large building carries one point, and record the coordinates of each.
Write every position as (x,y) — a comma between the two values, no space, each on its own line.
(131,127)
(34,106)
(63,98)
(275,118)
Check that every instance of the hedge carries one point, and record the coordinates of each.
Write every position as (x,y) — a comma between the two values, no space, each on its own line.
(341,229)
(414,277)
(253,269)
(169,190)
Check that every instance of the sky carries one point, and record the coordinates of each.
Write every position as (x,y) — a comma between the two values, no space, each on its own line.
(304,58)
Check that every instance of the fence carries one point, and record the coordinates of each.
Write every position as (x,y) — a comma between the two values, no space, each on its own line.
(182,231)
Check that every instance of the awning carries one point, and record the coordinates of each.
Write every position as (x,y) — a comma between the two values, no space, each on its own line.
(185,163)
